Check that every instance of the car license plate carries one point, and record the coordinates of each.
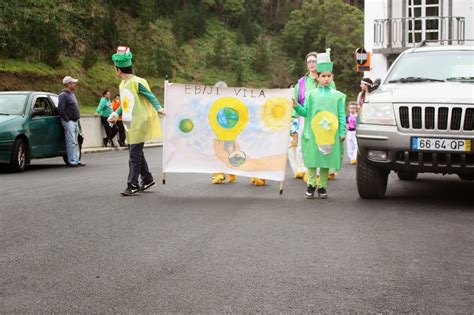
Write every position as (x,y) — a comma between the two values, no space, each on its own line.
(440,144)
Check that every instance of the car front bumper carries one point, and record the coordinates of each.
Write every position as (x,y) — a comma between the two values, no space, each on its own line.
(400,157)
(5,151)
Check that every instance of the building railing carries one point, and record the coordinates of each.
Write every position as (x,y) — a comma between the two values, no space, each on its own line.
(395,35)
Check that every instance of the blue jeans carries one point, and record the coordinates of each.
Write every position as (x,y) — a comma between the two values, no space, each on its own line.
(71,133)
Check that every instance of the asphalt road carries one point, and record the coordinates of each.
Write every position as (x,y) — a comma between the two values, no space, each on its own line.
(70,243)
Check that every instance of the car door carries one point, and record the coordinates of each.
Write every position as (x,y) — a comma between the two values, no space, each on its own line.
(43,128)
(58,143)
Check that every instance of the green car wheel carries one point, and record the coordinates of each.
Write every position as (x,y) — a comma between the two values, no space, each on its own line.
(19,155)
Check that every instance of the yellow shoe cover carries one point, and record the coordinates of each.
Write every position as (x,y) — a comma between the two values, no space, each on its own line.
(332,176)
(218,178)
(231,178)
(300,174)
(259,182)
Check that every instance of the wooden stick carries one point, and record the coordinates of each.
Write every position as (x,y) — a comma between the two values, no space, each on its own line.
(281,188)
(164,178)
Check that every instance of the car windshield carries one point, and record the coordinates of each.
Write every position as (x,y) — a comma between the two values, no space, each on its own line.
(436,66)
(12,104)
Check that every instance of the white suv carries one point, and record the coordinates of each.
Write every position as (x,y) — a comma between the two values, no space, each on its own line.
(419,119)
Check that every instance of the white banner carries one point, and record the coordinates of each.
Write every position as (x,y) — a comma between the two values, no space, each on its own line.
(230,130)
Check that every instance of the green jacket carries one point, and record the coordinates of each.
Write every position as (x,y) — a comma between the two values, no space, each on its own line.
(310,84)
(104,108)
(324,112)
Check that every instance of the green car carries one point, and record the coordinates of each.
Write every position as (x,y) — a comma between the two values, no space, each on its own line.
(30,128)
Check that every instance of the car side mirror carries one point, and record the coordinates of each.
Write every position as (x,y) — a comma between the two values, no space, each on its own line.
(376,84)
(38,112)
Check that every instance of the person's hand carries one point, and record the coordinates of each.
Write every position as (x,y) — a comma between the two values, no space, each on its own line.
(342,138)
(162,112)
(96,114)
(113,118)
(294,103)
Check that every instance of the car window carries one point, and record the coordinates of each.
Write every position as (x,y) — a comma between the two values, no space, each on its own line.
(12,104)
(55,100)
(434,66)
(43,102)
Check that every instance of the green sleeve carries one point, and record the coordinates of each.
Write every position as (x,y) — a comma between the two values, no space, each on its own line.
(341,107)
(102,105)
(294,114)
(302,111)
(149,95)
(119,111)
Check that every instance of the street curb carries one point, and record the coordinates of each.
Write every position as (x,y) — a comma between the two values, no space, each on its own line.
(108,149)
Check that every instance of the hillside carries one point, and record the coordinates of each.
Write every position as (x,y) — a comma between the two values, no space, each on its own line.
(255,43)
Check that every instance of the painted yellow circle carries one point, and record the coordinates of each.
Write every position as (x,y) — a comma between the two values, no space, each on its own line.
(325,126)
(236,110)
(276,113)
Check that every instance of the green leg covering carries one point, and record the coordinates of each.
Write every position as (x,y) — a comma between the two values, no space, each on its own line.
(323,177)
(311,177)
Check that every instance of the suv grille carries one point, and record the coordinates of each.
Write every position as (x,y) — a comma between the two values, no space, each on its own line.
(439,118)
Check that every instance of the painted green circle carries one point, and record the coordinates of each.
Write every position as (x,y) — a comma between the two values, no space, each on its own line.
(227,117)
(186,125)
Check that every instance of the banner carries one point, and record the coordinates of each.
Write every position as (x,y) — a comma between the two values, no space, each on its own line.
(237,131)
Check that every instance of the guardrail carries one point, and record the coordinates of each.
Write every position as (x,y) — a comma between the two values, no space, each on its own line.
(396,34)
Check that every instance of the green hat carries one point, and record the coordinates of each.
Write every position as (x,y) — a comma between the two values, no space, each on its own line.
(324,63)
(123,57)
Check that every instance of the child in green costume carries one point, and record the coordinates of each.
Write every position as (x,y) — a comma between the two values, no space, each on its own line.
(139,110)
(324,128)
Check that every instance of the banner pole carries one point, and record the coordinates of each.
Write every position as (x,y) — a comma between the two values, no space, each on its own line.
(281,188)
(163,174)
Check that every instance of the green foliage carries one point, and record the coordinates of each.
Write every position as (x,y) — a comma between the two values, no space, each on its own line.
(319,25)
(258,43)
(190,22)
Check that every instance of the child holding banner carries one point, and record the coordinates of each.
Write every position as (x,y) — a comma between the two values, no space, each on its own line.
(139,110)
(324,128)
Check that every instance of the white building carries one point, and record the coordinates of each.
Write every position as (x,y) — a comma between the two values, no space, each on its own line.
(392,26)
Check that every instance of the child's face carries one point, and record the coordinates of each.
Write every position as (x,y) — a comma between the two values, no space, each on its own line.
(353,109)
(325,78)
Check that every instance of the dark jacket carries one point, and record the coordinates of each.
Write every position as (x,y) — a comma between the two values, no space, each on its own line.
(68,108)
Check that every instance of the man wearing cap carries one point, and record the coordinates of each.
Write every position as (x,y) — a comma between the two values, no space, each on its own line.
(69,112)
(139,110)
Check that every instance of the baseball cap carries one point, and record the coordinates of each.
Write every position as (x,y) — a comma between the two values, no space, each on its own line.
(69,79)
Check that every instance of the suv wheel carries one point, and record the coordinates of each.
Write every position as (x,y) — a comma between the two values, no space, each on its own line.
(19,156)
(407,175)
(371,180)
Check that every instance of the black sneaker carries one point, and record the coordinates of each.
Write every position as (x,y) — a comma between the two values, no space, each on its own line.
(322,194)
(130,191)
(310,192)
(105,141)
(146,186)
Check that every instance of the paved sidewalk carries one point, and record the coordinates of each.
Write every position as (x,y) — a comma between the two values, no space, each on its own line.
(108,149)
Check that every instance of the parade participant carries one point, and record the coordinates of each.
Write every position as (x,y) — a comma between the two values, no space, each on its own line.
(139,110)
(366,85)
(351,140)
(305,84)
(121,129)
(104,110)
(324,128)
(219,178)
(68,110)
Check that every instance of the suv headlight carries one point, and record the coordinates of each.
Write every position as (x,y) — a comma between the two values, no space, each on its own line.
(378,114)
